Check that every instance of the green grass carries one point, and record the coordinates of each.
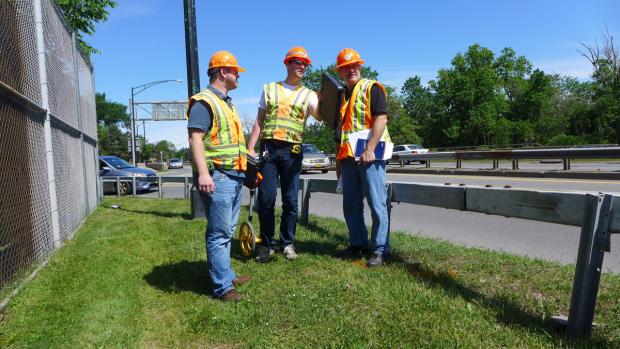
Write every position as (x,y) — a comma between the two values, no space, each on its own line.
(137,277)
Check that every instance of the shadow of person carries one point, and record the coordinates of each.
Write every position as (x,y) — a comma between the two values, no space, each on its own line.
(159,213)
(192,276)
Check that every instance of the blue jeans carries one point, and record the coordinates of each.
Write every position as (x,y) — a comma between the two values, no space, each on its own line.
(279,162)
(222,208)
(369,181)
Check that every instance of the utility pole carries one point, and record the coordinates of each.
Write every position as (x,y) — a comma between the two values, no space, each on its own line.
(193,87)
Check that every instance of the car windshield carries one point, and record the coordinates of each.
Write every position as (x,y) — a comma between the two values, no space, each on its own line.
(175,160)
(118,163)
(414,146)
(311,149)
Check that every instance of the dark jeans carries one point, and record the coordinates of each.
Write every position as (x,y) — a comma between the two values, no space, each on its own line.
(278,161)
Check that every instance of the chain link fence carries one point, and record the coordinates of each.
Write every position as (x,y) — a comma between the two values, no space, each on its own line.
(48,136)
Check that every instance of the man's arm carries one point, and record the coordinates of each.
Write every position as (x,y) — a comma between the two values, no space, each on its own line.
(256,131)
(313,107)
(376,132)
(197,149)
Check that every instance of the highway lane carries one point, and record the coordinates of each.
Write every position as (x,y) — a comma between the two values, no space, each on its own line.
(547,241)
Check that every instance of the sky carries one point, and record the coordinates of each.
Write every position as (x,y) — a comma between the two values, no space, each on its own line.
(144,41)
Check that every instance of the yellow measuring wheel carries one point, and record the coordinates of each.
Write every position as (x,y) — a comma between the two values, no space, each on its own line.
(248,240)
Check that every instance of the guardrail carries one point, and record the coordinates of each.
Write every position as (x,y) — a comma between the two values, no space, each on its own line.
(597,215)
(566,154)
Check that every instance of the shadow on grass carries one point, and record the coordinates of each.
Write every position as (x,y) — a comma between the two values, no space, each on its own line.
(182,276)
(505,310)
(157,212)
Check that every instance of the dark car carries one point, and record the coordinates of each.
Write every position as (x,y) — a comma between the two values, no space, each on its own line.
(112,166)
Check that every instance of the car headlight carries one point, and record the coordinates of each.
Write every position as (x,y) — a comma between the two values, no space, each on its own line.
(304,161)
(326,160)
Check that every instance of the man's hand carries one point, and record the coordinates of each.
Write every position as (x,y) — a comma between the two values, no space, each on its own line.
(205,184)
(251,153)
(367,157)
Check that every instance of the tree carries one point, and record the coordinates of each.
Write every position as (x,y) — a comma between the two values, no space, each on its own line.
(111,113)
(111,116)
(82,15)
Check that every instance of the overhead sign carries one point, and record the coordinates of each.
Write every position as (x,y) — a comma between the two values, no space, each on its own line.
(168,111)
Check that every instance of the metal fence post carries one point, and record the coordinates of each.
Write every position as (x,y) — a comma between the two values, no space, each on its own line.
(428,164)
(495,164)
(515,164)
(47,126)
(133,186)
(160,188)
(118,187)
(592,245)
(459,163)
(185,187)
(305,200)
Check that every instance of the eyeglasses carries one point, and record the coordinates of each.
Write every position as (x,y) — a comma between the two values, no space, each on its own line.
(298,62)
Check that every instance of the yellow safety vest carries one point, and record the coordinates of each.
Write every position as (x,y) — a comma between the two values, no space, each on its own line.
(285,112)
(224,144)
(355,115)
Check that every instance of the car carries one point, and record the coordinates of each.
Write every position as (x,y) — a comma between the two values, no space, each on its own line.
(112,166)
(175,163)
(314,159)
(409,149)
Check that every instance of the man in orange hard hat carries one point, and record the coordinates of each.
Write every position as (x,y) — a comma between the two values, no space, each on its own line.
(364,107)
(219,161)
(282,111)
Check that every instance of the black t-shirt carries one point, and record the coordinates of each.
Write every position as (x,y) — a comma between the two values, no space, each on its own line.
(378,100)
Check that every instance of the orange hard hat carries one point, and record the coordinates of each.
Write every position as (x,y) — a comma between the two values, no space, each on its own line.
(348,56)
(297,52)
(224,59)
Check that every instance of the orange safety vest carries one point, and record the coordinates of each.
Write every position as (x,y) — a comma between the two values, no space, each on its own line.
(284,115)
(355,115)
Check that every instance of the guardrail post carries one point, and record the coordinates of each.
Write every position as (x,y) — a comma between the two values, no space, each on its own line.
(495,164)
(160,188)
(186,188)
(133,186)
(459,163)
(389,204)
(515,164)
(566,164)
(592,245)
(428,164)
(305,201)
(118,187)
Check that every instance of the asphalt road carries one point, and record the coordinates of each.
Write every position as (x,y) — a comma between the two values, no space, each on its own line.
(547,241)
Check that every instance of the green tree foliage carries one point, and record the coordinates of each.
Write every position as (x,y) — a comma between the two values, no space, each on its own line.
(82,15)
(111,116)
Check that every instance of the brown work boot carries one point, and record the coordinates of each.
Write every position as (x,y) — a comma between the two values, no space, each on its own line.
(241,279)
(231,296)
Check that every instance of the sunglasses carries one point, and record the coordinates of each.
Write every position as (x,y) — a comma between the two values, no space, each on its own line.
(298,62)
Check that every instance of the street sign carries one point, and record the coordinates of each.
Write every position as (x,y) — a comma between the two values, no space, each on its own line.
(168,111)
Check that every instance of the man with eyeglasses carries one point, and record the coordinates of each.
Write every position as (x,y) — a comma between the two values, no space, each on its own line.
(282,112)
(219,161)
(364,106)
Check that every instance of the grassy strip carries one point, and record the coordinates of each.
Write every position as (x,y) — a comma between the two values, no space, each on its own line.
(137,277)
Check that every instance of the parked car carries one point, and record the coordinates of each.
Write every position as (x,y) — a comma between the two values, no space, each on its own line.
(409,149)
(314,159)
(117,167)
(175,163)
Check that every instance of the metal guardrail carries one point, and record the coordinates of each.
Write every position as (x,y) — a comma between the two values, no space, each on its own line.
(566,154)
(597,215)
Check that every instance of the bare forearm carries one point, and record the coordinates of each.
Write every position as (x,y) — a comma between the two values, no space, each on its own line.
(197,149)
(376,132)
(256,131)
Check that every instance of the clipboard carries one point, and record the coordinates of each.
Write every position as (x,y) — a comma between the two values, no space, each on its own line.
(331,98)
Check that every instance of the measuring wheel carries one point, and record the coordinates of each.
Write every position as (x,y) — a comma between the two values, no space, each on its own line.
(248,239)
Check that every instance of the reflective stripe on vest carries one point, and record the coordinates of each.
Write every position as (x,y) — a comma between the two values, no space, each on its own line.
(285,112)
(355,115)
(224,144)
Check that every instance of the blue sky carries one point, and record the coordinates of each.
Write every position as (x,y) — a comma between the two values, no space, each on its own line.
(143,41)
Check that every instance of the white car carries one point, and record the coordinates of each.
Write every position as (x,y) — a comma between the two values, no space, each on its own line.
(175,163)
(409,149)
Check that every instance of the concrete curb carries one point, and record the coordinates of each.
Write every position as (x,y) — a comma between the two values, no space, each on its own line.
(511,173)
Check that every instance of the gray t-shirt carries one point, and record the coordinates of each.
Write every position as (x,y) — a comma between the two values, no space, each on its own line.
(201,118)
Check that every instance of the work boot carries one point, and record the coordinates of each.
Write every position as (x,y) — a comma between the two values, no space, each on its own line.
(352,252)
(264,254)
(375,260)
(242,279)
(289,252)
(230,296)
